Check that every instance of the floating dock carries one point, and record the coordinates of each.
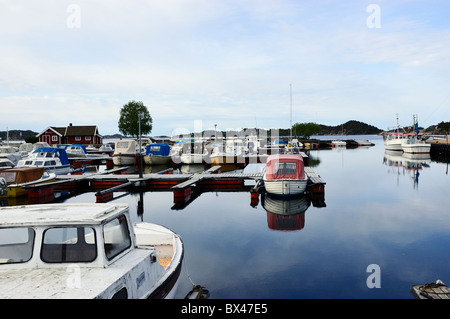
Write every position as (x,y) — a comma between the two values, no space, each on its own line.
(182,185)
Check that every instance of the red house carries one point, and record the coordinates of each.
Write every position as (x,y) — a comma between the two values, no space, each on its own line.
(71,135)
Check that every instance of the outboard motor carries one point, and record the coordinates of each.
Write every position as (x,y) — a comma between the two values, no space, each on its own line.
(3,187)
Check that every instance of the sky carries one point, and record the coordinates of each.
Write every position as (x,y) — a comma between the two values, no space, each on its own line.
(231,63)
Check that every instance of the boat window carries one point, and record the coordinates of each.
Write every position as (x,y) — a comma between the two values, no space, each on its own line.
(69,244)
(116,236)
(121,294)
(16,244)
(38,163)
(285,168)
(122,144)
(28,162)
(10,177)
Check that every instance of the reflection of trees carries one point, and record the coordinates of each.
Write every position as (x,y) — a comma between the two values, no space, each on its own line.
(313,161)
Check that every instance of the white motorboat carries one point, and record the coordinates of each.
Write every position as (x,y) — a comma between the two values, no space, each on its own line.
(125,152)
(393,139)
(76,151)
(10,153)
(338,143)
(53,160)
(85,251)
(414,144)
(285,175)
(193,152)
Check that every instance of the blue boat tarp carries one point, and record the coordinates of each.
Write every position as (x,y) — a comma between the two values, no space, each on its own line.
(157,149)
(59,151)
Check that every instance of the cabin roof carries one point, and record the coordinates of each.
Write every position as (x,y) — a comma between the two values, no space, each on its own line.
(58,214)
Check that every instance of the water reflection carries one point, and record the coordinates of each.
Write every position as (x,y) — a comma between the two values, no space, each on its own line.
(403,164)
(285,214)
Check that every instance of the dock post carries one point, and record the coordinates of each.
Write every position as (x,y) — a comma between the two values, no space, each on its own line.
(182,195)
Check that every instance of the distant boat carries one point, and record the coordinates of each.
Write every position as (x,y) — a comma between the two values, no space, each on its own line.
(53,160)
(125,152)
(393,140)
(285,175)
(76,150)
(338,143)
(10,153)
(85,251)
(13,181)
(193,152)
(232,154)
(413,144)
(157,154)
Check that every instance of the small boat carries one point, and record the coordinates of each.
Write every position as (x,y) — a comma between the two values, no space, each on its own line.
(13,181)
(233,153)
(125,152)
(85,251)
(53,160)
(157,154)
(6,163)
(338,143)
(10,153)
(285,175)
(393,139)
(76,151)
(193,152)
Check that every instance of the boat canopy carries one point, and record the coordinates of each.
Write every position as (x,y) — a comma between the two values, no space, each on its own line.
(22,175)
(58,151)
(157,149)
(285,166)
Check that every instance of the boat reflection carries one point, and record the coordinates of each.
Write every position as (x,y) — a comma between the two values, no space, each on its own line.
(285,214)
(406,164)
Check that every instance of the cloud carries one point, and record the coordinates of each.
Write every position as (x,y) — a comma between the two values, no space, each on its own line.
(224,62)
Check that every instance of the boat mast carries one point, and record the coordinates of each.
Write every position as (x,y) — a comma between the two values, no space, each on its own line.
(290,127)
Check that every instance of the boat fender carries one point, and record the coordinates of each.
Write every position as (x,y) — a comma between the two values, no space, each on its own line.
(153,258)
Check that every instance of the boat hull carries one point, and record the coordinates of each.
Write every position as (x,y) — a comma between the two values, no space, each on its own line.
(124,159)
(191,158)
(285,187)
(418,148)
(156,160)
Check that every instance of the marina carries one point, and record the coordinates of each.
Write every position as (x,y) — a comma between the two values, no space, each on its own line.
(358,209)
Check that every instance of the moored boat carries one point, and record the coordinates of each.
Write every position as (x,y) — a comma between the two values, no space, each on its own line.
(125,152)
(157,154)
(285,175)
(53,160)
(55,251)
(13,181)
(414,144)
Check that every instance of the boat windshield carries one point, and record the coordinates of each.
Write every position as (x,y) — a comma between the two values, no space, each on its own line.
(69,245)
(16,244)
(285,168)
(116,236)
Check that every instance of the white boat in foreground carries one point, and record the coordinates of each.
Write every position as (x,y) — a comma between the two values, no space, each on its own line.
(285,175)
(85,251)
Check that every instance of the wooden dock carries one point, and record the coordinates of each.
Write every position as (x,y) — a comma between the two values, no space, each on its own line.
(182,185)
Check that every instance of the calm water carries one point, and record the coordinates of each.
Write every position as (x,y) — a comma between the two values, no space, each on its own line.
(374,214)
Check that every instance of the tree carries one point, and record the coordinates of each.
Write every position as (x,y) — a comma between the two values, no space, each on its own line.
(305,129)
(129,119)
(444,126)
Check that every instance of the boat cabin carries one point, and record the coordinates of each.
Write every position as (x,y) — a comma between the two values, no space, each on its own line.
(126,147)
(157,149)
(285,166)
(73,251)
